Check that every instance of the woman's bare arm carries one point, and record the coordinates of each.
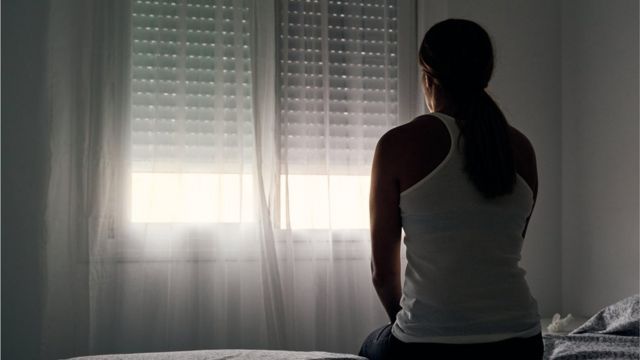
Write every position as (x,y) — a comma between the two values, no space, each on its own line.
(385,227)
(526,166)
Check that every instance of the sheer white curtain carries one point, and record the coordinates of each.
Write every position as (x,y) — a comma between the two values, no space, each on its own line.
(88,66)
(339,92)
(209,175)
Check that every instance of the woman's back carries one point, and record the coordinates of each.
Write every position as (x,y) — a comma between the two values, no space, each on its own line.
(423,143)
(462,281)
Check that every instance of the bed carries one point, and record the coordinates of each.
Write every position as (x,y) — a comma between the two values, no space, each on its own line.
(226,355)
(612,333)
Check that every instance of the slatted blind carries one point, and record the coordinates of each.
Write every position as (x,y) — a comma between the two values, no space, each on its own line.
(339,82)
(191,86)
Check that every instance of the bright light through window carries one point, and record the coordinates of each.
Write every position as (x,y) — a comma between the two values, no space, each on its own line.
(191,198)
(306,201)
(323,202)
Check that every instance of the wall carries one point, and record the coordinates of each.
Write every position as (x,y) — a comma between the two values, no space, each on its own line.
(24,174)
(526,84)
(599,153)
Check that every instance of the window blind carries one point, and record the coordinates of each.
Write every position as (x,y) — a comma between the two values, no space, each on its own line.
(191,86)
(339,82)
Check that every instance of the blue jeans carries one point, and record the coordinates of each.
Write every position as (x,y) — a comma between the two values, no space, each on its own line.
(381,344)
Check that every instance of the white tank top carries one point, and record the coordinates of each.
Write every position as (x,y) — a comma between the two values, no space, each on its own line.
(462,280)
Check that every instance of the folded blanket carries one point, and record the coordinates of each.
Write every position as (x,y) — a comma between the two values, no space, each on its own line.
(611,334)
(621,318)
(590,346)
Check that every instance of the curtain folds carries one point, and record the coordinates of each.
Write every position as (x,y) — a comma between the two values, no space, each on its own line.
(88,104)
(209,178)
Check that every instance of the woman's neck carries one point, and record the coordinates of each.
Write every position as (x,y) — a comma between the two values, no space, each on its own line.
(445,107)
(445,104)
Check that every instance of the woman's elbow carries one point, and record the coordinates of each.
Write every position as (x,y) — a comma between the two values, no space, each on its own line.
(380,279)
(377,281)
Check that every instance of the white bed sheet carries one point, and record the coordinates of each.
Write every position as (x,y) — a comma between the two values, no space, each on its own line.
(226,355)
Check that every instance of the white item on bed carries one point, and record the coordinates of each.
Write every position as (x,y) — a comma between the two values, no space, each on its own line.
(559,324)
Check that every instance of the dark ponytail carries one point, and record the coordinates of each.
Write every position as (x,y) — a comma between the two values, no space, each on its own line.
(458,57)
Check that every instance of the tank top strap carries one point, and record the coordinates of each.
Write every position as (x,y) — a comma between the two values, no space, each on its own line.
(449,122)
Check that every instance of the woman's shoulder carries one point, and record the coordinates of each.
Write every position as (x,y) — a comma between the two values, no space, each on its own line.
(423,140)
(520,139)
(523,148)
(420,126)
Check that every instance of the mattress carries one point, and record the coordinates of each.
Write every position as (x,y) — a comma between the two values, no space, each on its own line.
(226,355)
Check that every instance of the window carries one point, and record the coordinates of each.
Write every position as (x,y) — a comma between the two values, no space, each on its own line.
(338,74)
(192,131)
(192,135)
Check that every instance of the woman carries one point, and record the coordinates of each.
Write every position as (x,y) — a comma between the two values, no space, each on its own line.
(462,184)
